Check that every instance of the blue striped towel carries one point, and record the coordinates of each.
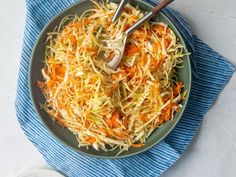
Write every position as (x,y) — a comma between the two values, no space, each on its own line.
(213,74)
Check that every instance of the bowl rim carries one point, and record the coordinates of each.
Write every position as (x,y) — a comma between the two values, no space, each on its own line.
(31,87)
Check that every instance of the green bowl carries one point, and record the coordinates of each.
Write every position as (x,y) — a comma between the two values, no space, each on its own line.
(64,135)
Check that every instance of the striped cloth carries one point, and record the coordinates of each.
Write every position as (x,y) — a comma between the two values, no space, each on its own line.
(213,73)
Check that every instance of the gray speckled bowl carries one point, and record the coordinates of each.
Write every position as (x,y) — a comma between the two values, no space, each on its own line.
(64,135)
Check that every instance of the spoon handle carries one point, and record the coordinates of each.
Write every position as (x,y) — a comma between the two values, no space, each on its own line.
(119,10)
(155,10)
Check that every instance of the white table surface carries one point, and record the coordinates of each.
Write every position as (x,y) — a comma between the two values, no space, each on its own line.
(213,151)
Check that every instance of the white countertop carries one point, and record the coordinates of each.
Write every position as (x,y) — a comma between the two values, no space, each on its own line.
(213,151)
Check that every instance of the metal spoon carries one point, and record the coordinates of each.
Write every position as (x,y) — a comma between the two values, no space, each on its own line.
(113,64)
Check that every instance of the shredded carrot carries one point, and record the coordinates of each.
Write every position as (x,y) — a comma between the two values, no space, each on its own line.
(121,135)
(167,42)
(109,122)
(131,50)
(90,140)
(126,26)
(86,124)
(118,75)
(60,119)
(115,116)
(144,118)
(143,61)
(86,21)
(178,88)
(90,49)
(50,84)
(157,47)
(166,113)
(110,56)
(72,39)
(155,89)
(127,10)
(126,121)
(131,71)
(137,145)
(159,29)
